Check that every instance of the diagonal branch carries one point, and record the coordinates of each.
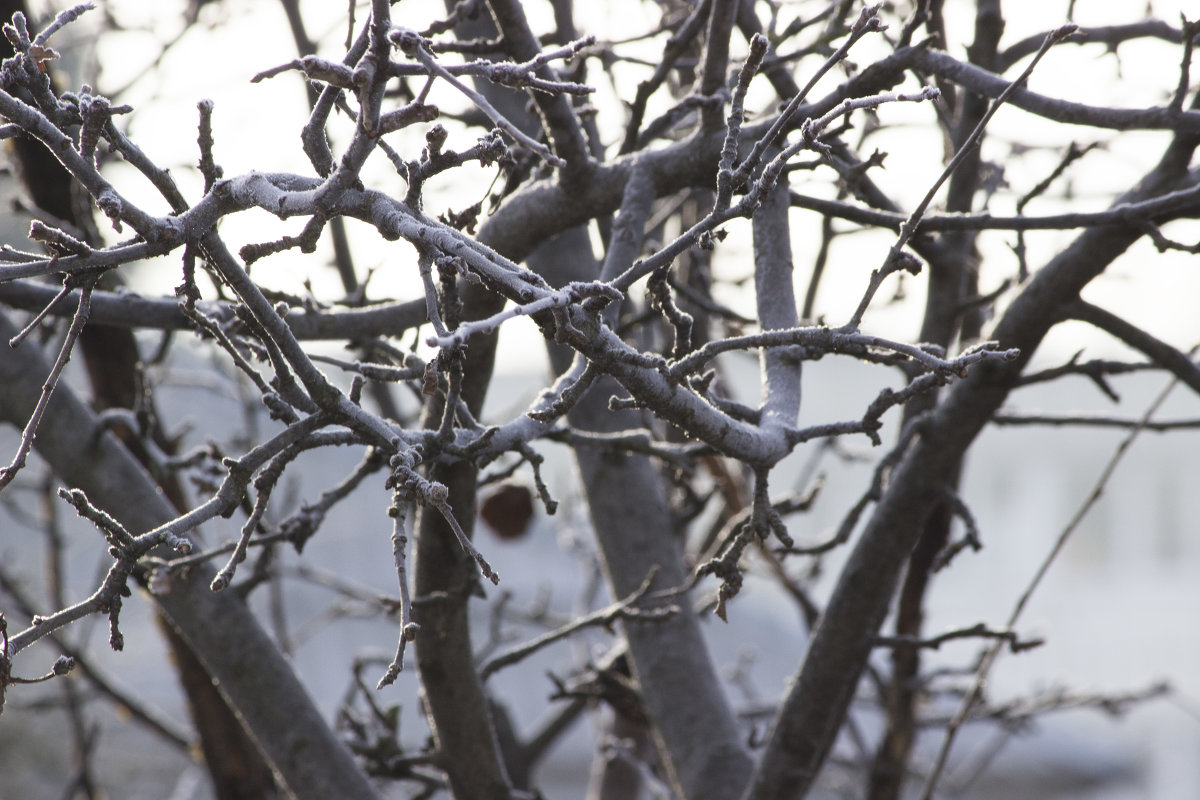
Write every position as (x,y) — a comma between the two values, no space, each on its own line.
(555,110)
(1158,351)
(250,669)
(813,711)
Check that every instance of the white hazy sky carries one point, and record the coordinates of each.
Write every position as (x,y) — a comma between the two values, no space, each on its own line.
(257,127)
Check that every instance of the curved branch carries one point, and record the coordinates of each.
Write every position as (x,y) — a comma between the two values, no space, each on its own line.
(1108,35)
(159,313)
(251,671)
(1158,351)
(1055,109)
(812,713)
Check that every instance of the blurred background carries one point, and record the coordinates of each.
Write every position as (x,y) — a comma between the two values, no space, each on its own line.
(1118,612)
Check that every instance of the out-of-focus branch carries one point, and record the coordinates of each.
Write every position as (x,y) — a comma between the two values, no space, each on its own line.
(252,673)
(812,713)
(1111,36)
(561,123)
(83,310)
(456,702)
(1175,203)
(140,712)
(1051,108)
(623,609)
(967,706)
(702,752)
(1158,351)
(715,60)
(152,313)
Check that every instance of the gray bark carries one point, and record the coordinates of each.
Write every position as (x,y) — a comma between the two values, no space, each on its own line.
(815,708)
(251,672)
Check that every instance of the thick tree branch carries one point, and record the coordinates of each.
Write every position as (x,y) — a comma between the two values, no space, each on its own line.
(1172,359)
(252,673)
(812,713)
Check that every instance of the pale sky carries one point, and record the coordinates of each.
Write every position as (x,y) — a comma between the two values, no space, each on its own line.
(257,127)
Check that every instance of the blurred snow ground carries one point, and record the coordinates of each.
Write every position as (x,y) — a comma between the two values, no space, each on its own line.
(1118,610)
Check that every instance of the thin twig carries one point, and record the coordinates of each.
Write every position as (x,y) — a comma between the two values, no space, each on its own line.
(64,355)
(967,707)
(415,47)
(623,609)
(909,228)
(399,512)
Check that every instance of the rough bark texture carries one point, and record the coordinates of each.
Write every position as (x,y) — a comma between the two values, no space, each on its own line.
(814,709)
(691,722)
(245,664)
(666,455)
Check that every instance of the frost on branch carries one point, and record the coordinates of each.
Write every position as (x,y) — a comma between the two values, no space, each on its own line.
(735,187)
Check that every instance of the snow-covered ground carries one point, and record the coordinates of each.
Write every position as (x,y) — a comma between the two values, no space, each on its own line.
(1118,610)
